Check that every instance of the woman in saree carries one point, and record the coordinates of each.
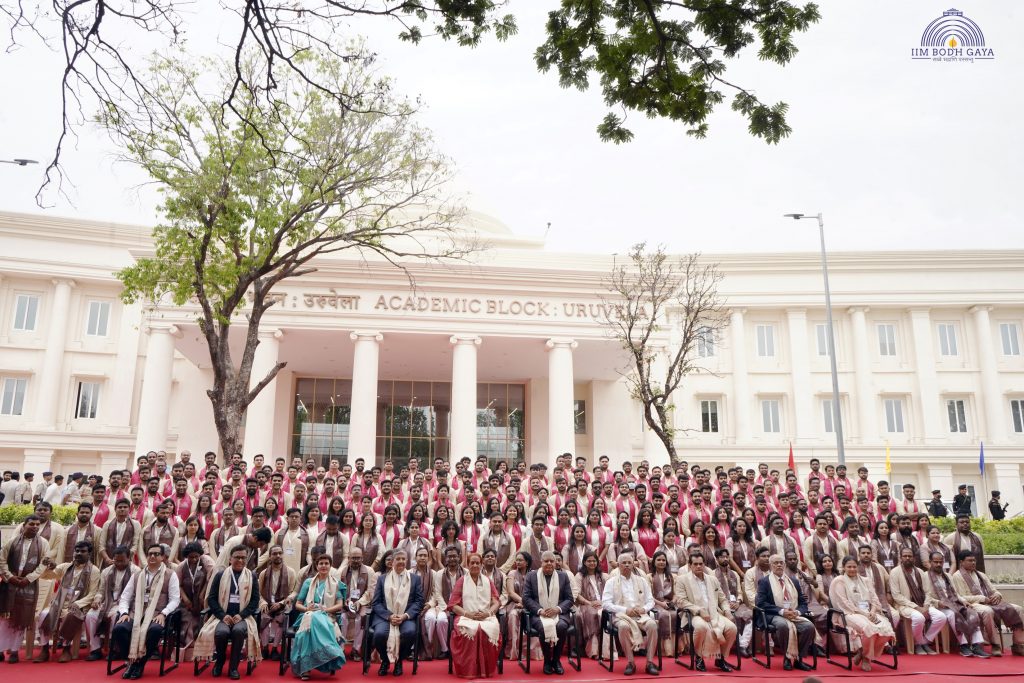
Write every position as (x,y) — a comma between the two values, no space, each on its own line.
(476,636)
(574,551)
(318,643)
(369,541)
(515,583)
(662,590)
(589,601)
(870,630)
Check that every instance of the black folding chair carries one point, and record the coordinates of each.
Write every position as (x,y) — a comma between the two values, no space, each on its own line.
(199,667)
(609,629)
(368,645)
(527,632)
(837,626)
(684,625)
(170,642)
(762,625)
(502,634)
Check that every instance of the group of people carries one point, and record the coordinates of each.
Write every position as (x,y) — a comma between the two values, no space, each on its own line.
(346,554)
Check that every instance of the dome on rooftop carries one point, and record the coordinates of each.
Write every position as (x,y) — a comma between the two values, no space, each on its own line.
(484,223)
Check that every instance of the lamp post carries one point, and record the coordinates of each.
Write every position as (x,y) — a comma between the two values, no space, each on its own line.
(18,162)
(837,419)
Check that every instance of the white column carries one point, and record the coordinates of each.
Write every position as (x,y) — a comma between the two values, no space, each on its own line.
(939,477)
(991,403)
(1008,483)
(114,461)
(50,375)
(561,426)
(740,382)
(800,371)
(157,377)
(122,384)
(462,423)
(927,378)
(654,448)
(259,417)
(362,430)
(37,461)
(867,412)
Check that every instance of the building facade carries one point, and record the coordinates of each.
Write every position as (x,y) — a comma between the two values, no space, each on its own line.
(506,356)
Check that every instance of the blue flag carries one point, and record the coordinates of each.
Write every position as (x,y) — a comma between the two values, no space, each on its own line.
(981,459)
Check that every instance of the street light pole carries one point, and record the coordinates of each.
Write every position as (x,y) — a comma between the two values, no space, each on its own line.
(18,162)
(837,420)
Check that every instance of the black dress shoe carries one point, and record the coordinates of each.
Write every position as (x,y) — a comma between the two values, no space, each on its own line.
(787,665)
(136,672)
(218,668)
(94,656)
(233,675)
(629,670)
(548,671)
(398,668)
(699,665)
(801,666)
(556,666)
(724,665)
(383,670)
(651,669)
(819,651)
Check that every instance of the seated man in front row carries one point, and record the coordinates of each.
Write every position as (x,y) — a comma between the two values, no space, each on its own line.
(233,600)
(150,597)
(547,599)
(397,602)
(786,608)
(628,598)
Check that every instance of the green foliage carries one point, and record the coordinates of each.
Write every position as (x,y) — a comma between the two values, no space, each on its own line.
(1003,537)
(16,514)
(667,59)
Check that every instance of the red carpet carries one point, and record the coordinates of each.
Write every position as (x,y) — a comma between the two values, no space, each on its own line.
(915,669)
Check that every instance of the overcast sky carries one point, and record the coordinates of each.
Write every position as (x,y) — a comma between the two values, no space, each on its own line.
(897,153)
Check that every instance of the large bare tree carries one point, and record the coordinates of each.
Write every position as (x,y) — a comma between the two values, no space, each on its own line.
(664,310)
(655,58)
(255,193)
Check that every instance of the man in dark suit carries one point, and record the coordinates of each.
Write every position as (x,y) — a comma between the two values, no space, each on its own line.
(532,604)
(385,612)
(786,607)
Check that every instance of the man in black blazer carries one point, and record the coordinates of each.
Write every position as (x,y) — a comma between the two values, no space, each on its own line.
(531,603)
(382,618)
(790,609)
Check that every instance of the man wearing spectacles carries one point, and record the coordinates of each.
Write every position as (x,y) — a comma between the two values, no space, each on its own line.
(148,600)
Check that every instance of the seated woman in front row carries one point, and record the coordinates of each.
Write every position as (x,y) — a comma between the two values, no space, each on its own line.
(475,638)
(318,641)
(868,626)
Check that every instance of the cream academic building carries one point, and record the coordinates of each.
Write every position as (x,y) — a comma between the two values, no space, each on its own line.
(505,356)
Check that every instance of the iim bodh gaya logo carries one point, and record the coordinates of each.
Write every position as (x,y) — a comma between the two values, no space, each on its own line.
(952,38)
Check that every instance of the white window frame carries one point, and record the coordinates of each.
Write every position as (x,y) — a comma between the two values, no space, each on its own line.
(31,304)
(1017,415)
(102,315)
(1009,338)
(821,336)
(956,414)
(771,416)
(705,343)
(765,340)
(87,400)
(828,415)
(886,333)
(894,415)
(948,345)
(13,391)
(709,408)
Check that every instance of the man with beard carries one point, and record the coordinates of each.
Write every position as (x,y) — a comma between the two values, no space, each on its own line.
(965,539)
(819,544)
(22,561)
(193,577)
(877,577)
(713,631)
(100,509)
(816,612)
(225,533)
(77,584)
(294,541)
(148,600)
(334,541)
(113,581)
(906,539)
(501,542)
(277,587)
(915,599)
(82,530)
(360,580)
(739,603)
(255,544)
(777,542)
(785,607)
(160,531)
(975,589)
(959,614)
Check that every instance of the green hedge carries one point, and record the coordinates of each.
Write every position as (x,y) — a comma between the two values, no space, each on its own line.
(14,514)
(1005,537)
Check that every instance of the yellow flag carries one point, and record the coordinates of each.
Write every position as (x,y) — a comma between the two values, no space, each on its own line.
(888,462)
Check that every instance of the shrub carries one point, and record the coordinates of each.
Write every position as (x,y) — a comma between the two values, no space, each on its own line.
(15,514)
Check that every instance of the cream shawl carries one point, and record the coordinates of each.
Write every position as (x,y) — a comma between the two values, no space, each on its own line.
(779,588)
(328,601)
(547,596)
(204,646)
(396,597)
(640,590)
(143,613)
(476,597)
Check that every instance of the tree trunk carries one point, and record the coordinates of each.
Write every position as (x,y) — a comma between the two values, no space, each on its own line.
(658,426)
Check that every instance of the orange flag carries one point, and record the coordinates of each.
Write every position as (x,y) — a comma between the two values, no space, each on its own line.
(792,462)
